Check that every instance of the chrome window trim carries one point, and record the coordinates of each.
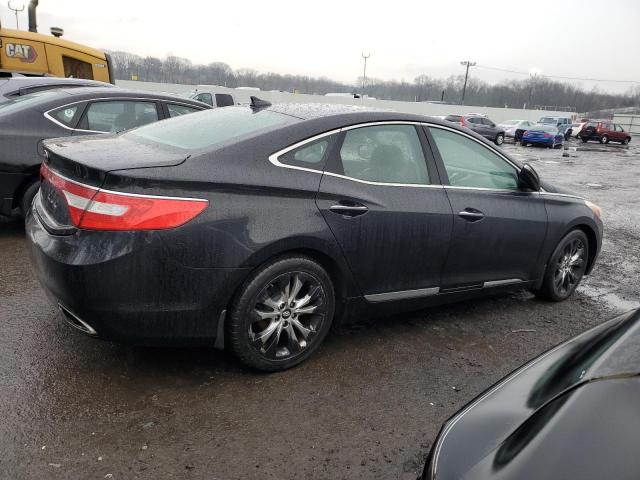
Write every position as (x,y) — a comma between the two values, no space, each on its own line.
(273,158)
(48,116)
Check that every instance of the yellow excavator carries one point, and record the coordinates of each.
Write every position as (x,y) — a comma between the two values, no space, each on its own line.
(32,53)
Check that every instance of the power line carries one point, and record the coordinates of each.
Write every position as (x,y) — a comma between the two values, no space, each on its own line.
(486,67)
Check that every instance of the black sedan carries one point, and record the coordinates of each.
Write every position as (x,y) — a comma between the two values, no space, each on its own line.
(572,413)
(256,226)
(26,120)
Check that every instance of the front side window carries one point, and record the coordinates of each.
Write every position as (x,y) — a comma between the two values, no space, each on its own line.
(118,115)
(384,154)
(177,110)
(471,164)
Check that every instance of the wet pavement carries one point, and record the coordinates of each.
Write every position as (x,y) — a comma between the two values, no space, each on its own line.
(367,405)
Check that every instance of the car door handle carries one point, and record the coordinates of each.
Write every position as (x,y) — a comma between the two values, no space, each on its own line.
(350,209)
(471,215)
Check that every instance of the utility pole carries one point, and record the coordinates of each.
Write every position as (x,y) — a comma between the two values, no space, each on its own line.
(467,64)
(364,73)
(531,84)
(15,10)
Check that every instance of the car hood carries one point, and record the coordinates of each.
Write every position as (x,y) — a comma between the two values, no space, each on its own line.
(552,400)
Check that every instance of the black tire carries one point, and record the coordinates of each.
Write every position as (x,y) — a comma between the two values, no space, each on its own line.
(584,139)
(275,320)
(557,286)
(626,141)
(604,139)
(524,144)
(27,197)
(499,140)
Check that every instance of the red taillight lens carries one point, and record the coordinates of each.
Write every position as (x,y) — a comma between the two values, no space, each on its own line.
(462,121)
(94,209)
(526,132)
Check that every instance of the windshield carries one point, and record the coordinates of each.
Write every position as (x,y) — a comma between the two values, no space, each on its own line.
(210,127)
(25,101)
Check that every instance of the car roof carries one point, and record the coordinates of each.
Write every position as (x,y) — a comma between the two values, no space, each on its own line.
(342,115)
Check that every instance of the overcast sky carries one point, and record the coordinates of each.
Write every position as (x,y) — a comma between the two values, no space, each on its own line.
(589,39)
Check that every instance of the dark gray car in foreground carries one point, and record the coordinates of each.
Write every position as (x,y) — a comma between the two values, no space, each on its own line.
(25,121)
(258,227)
(571,413)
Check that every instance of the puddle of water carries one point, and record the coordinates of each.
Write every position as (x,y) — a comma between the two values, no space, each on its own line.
(609,297)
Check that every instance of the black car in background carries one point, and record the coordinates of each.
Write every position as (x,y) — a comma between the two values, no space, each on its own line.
(11,87)
(25,121)
(254,227)
(481,125)
(572,413)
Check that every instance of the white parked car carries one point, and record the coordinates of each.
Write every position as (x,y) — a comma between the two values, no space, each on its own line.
(515,128)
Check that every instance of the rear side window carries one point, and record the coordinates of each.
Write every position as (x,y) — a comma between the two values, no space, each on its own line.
(384,154)
(118,115)
(311,155)
(470,164)
(66,115)
(176,110)
(224,100)
(212,127)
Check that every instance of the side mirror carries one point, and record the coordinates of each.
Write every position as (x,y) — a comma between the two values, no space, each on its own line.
(528,178)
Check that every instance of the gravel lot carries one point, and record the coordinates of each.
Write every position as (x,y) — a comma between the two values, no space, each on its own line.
(368,405)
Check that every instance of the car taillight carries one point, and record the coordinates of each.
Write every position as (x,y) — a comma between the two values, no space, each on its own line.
(526,132)
(94,209)
(547,135)
(462,121)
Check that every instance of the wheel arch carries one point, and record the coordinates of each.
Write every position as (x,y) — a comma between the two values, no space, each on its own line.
(593,244)
(333,262)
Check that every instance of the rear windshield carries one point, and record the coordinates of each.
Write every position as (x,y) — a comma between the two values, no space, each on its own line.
(511,122)
(210,127)
(548,120)
(25,101)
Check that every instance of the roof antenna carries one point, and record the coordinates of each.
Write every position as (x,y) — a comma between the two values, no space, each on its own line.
(258,103)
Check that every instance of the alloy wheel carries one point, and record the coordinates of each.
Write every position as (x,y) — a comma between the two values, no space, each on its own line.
(570,267)
(287,316)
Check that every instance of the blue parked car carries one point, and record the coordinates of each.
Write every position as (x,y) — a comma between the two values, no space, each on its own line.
(546,135)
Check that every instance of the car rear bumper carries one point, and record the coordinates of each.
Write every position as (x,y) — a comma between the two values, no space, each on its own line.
(539,141)
(124,286)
